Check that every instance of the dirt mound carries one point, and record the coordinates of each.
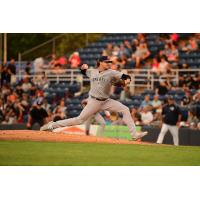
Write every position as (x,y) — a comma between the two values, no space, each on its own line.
(29,135)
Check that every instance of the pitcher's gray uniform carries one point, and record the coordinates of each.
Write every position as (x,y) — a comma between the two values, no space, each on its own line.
(98,119)
(99,100)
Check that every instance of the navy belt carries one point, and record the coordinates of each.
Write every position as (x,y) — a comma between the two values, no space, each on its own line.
(98,98)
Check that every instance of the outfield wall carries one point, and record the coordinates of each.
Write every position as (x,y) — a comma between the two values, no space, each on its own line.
(186,136)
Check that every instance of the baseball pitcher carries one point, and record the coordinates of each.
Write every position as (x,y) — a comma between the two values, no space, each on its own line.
(101,80)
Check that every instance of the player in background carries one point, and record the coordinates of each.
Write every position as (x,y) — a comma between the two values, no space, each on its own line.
(171,118)
(101,79)
(38,115)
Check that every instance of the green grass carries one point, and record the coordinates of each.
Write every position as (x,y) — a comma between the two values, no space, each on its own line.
(25,153)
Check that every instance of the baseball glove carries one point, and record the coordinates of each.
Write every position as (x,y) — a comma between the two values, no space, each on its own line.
(118,82)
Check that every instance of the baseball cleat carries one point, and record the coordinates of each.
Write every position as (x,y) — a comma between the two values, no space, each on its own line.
(47,127)
(139,135)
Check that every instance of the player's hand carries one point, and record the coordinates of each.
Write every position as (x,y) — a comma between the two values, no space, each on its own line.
(84,66)
(127,81)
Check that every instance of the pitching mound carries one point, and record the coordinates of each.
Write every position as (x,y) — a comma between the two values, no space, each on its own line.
(30,135)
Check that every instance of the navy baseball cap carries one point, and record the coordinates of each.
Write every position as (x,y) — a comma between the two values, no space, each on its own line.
(105,59)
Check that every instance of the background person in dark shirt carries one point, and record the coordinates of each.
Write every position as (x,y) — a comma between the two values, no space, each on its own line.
(11,68)
(171,119)
(162,88)
(38,115)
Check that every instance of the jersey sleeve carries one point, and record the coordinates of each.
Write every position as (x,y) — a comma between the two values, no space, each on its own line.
(88,73)
(116,74)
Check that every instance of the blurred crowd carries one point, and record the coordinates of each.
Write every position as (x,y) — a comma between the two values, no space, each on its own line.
(136,54)
(57,64)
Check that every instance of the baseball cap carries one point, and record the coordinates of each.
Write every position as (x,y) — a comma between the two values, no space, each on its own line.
(105,59)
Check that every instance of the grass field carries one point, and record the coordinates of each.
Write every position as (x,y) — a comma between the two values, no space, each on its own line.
(25,153)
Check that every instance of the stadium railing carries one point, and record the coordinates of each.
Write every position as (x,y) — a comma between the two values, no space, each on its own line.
(143,78)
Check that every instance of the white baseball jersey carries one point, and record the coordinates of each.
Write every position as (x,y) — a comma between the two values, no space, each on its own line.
(100,82)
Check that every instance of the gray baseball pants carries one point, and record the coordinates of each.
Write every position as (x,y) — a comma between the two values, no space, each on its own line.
(99,120)
(93,106)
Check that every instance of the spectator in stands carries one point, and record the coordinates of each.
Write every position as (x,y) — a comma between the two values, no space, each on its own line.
(108,51)
(74,60)
(192,120)
(128,47)
(38,115)
(46,106)
(163,66)
(194,82)
(28,68)
(13,96)
(1,111)
(26,104)
(123,52)
(136,115)
(140,54)
(5,76)
(146,116)
(156,104)
(134,45)
(54,61)
(63,61)
(125,94)
(115,51)
(38,64)
(174,54)
(141,38)
(41,81)
(60,111)
(166,52)
(146,102)
(191,45)
(155,66)
(196,104)
(162,88)
(174,37)
(18,111)
(187,99)
(182,81)
(13,112)
(11,70)
(26,85)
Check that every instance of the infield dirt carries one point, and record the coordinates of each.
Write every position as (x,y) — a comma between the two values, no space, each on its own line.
(30,135)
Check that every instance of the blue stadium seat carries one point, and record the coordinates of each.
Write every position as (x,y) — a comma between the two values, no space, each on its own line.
(76,101)
(73,113)
(184,113)
(172,92)
(74,88)
(136,103)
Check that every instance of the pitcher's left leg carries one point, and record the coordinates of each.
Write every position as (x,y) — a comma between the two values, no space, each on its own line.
(100,120)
